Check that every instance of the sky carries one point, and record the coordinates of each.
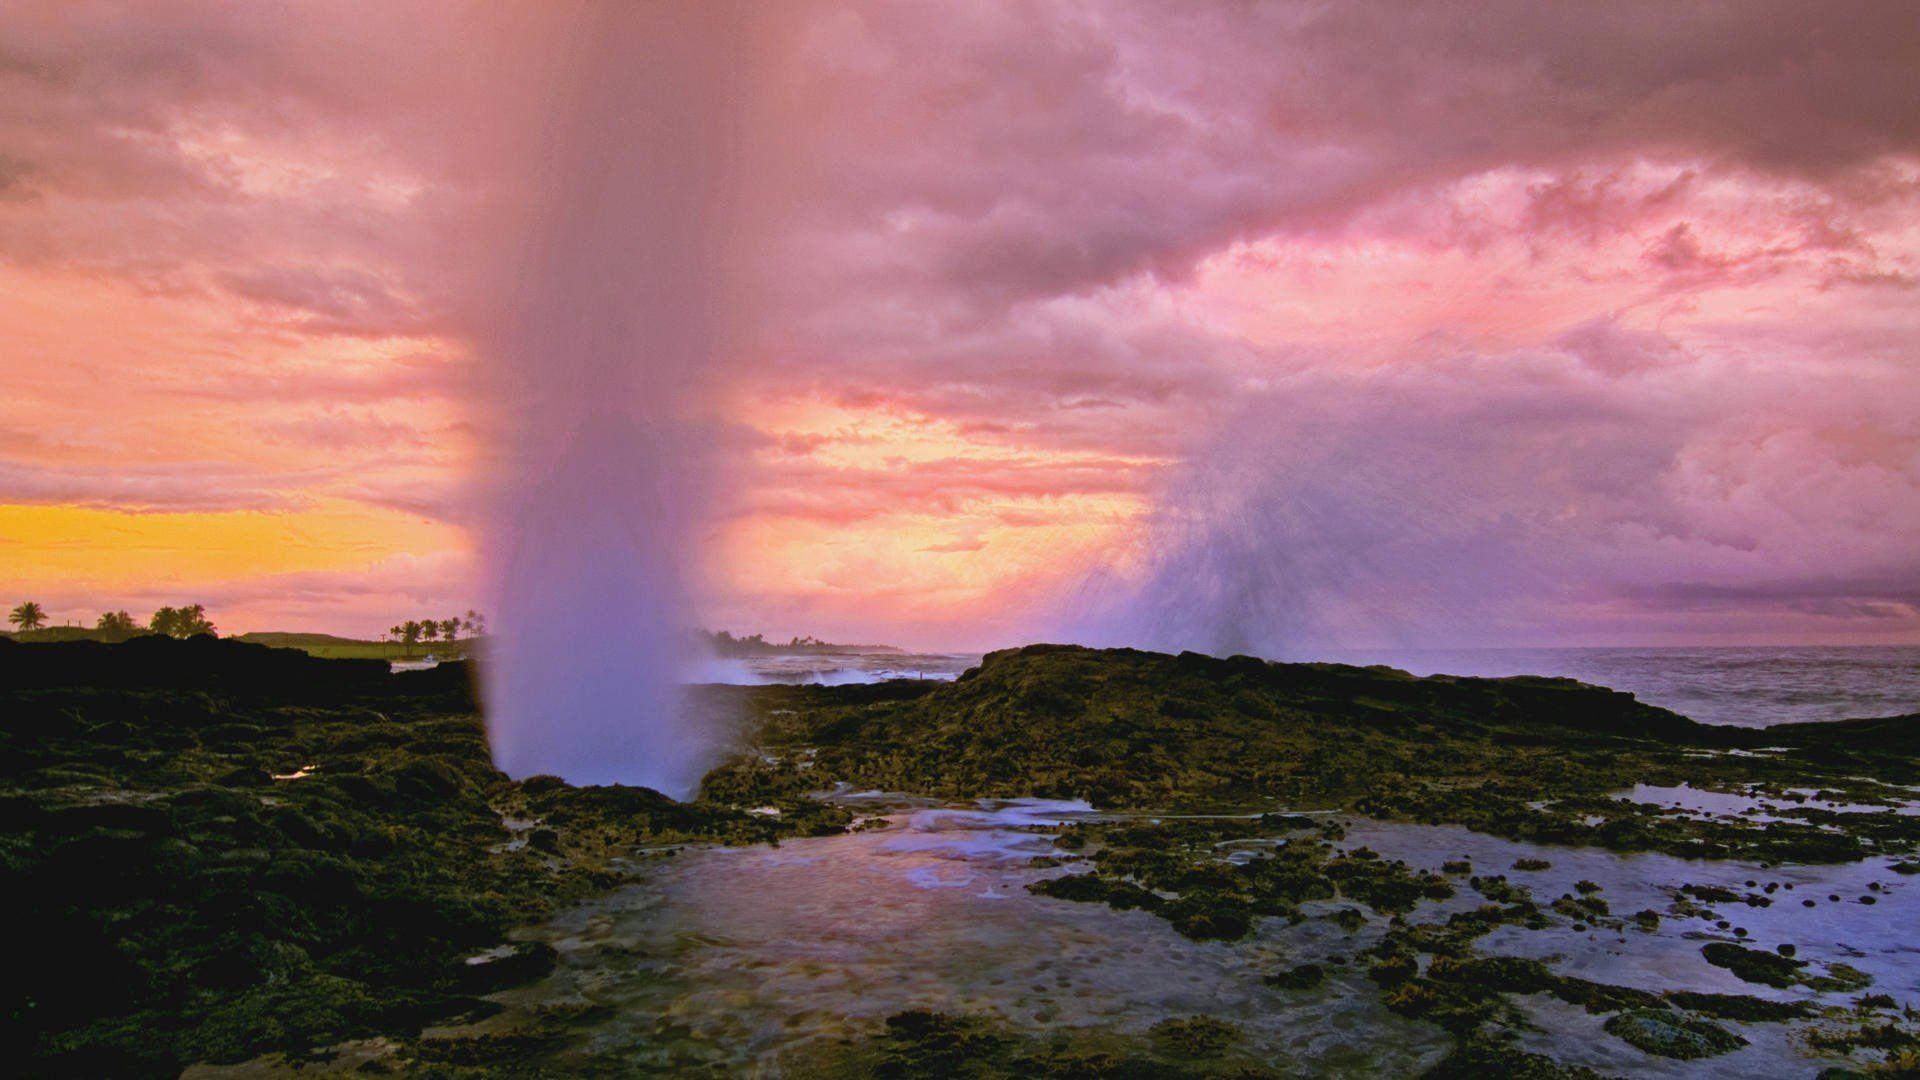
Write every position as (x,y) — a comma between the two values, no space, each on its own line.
(1235,326)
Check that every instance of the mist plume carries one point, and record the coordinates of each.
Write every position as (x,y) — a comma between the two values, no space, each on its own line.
(1323,519)
(614,319)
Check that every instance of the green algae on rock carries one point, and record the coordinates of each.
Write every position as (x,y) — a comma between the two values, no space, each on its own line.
(235,862)
(1301,977)
(1776,970)
(233,849)
(1673,1035)
(921,1043)
(1477,1059)
(1173,870)
(1739,1006)
(1538,760)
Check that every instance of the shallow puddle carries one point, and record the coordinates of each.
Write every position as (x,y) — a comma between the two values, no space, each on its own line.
(729,957)
(1705,802)
(1875,938)
(722,960)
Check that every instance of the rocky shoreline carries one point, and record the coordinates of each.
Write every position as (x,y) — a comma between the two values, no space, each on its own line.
(229,850)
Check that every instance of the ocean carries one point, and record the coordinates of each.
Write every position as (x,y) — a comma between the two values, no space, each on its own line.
(837,668)
(1751,686)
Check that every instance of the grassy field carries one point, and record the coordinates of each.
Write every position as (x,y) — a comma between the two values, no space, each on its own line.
(355,650)
(49,634)
(324,646)
(329,647)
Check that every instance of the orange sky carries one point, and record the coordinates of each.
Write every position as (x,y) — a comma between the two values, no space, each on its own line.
(1621,345)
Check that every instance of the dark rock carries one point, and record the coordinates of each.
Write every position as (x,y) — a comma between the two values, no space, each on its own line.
(251,776)
(1303,977)
(504,966)
(1195,1036)
(1769,969)
(1739,1007)
(1669,1034)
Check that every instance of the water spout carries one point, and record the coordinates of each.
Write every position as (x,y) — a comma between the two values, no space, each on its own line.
(612,320)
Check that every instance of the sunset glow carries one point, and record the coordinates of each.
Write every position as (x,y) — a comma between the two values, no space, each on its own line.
(1613,309)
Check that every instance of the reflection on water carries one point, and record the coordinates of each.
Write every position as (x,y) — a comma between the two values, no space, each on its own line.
(1759,808)
(725,958)
(720,960)
(1816,909)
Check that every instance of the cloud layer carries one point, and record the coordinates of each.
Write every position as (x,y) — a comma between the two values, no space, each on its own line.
(1370,323)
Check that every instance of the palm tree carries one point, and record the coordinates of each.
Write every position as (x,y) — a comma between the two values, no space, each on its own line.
(410,632)
(28,616)
(117,623)
(450,629)
(429,629)
(193,620)
(182,622)
(476,623)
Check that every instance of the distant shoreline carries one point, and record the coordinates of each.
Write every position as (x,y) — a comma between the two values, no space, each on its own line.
(337,647)
(825,649)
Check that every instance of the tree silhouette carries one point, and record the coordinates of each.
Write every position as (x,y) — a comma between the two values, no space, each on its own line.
(476,623)
(28,616)
(193,620)
(410,632)
(450,629)
(116,622)
(429,629)
(181,622)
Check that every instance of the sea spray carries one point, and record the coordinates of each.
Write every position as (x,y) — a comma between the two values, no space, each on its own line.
(617,312)
(1342,513)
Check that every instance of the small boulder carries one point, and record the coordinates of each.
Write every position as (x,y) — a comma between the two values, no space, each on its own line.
(506,965)
(1669,1034)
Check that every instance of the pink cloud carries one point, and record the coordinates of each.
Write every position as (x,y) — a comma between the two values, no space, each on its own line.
(1596,317)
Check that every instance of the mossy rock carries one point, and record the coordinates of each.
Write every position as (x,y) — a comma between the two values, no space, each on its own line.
(1302,977)
(1754,966)
(505,965)
(198,910)
(1669,1034)
(1839,978)
(1507,974)
(1483,1059)
(1739,1007)
(1195,1036)
(1090,888)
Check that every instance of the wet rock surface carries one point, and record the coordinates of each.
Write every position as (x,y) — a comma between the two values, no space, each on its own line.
(1193,867)
(731,962)
(1671,1035)
(1542,760)
(228,849)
